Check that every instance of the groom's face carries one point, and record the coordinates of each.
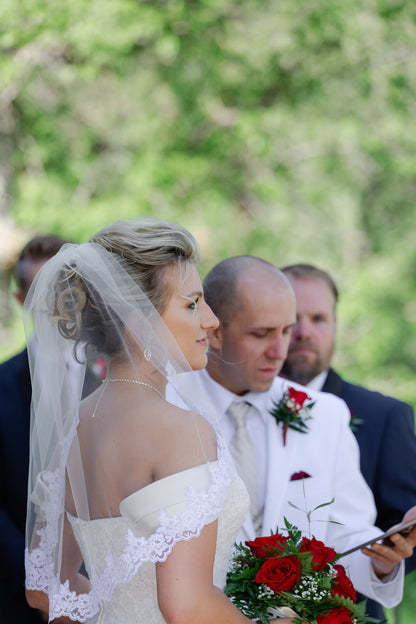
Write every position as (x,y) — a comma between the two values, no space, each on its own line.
(252,345)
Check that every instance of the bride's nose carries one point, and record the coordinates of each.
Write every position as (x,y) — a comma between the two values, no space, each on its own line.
(208,318)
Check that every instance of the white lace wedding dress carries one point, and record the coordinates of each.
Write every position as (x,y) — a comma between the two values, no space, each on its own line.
(135,602)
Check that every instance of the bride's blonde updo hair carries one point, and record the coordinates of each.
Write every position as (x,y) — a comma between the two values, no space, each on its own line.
(145,248)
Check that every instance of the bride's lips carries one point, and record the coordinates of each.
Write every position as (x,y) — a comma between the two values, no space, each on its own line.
(203,342)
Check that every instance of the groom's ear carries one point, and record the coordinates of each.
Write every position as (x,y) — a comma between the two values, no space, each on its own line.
(215,338)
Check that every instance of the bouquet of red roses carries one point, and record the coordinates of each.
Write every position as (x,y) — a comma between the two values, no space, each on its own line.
(292,576)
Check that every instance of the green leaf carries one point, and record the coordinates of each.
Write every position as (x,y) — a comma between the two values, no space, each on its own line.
(324,504)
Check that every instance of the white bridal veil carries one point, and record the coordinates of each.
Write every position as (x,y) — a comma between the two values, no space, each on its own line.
(82,465)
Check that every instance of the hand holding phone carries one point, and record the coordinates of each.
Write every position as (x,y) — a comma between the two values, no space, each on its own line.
(404,528)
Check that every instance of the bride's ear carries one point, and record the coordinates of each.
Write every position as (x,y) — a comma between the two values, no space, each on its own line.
(215,338)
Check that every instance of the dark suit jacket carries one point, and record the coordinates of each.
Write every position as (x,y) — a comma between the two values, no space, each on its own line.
(387,444)
(15,396)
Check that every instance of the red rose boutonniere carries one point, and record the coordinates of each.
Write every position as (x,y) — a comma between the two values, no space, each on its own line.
(293,410)
(355,421)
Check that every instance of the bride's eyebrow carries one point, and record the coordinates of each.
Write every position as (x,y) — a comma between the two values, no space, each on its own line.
(194,293)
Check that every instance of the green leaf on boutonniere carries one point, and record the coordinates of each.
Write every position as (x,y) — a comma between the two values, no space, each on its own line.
(355,422)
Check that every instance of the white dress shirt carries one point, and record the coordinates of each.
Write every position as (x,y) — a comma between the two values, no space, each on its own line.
(317,383)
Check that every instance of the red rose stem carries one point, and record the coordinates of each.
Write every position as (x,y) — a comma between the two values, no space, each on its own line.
(285,428)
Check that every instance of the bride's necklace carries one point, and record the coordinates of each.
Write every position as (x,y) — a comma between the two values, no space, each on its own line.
(136,381)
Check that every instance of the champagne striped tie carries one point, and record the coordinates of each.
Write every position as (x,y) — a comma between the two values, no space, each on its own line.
(242,452)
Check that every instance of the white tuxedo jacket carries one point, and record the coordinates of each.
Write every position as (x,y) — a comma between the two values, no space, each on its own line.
(329,454)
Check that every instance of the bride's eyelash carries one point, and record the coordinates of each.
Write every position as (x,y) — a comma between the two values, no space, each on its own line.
(193,303)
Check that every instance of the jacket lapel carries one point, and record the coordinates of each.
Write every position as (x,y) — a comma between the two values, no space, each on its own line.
(280,467)
(333,383)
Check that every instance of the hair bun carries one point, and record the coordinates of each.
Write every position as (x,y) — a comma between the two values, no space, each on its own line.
(71,299)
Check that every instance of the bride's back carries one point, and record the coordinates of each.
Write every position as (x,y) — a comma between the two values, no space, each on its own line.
(130,437)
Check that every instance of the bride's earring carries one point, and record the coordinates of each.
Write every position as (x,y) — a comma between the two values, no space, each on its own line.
(147,354)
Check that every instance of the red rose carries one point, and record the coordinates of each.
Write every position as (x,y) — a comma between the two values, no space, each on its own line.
(298,397)
(279,573)
(336,616)
(321,554)
(263,547)
(343,585)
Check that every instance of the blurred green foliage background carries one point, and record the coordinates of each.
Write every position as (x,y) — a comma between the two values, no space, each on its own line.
(281,129)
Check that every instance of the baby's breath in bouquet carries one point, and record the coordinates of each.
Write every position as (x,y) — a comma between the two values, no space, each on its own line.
(292,576)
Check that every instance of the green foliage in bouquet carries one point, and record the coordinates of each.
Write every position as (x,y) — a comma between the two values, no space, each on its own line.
(295,576)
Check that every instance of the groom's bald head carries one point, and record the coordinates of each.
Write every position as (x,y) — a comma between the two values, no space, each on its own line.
(221,284)
(256,308)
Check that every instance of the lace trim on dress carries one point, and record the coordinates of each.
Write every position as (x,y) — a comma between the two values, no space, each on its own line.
(173,529)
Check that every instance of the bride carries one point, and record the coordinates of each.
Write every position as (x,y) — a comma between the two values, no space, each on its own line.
(133,503)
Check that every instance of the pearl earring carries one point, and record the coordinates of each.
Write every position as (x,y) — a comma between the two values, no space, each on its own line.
(147,354)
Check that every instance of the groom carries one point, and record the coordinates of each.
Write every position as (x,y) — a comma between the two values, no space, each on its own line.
(256,307)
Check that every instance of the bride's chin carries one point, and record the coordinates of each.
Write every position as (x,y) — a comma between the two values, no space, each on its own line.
(200,363)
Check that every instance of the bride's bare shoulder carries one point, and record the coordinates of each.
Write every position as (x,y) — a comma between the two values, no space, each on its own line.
(187,422)
(188,432)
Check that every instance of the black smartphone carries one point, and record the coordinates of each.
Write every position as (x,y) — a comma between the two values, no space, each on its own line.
(404,529)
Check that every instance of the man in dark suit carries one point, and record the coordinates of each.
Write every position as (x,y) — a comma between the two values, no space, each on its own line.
(385,426)
(15,393)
